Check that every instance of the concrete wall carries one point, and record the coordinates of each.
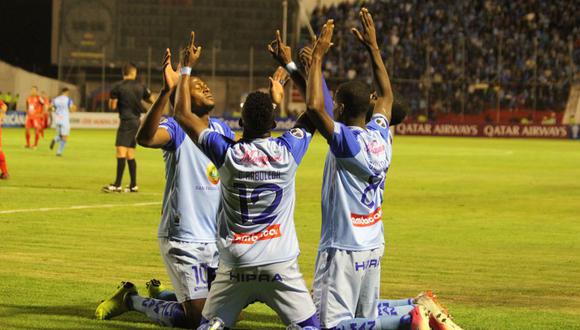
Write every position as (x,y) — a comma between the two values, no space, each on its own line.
(18,81)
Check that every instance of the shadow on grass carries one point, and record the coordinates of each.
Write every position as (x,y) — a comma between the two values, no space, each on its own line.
(130,320)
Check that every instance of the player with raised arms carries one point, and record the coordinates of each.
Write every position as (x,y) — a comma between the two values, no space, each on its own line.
(62,106)
(347,275)
(256,233)
(187,232)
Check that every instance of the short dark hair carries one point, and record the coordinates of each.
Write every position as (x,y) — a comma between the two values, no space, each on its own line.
(355,96)
(128,68)
(399,111)
(64,90)
(258,112)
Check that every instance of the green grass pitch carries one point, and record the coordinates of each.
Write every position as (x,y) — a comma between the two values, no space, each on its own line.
(492,226)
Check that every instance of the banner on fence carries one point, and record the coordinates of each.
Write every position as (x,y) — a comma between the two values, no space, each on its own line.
(111,120)
(14,119)
(499,131)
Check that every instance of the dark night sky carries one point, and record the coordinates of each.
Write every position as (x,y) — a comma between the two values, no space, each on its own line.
(25,28)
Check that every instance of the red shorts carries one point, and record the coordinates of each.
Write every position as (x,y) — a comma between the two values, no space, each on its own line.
(33,122)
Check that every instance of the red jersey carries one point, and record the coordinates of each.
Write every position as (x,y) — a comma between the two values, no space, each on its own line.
(35,105)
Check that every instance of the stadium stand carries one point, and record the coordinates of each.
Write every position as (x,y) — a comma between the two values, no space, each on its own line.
(466,57)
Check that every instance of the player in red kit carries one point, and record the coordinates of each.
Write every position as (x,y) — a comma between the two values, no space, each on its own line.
(34,111)
(3,167)
(45,122)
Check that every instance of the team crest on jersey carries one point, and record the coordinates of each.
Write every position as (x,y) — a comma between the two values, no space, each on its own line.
(381,122)
(212,174)
(297,133)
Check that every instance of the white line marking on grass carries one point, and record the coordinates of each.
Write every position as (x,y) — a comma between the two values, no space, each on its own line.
(77,207)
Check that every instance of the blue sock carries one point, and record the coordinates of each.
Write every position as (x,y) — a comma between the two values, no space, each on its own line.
(385,306)
(165,313)
(167,295)
(60,147)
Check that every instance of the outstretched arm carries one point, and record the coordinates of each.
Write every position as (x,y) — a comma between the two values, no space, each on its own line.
(150,135)
(314,94)
(368,38)
(189,121)
(282,53)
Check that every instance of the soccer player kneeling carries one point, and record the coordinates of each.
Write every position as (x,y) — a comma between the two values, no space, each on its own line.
(348,267)
(256,234)
(187,232)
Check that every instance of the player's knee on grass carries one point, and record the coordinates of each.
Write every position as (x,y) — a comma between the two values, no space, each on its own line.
(193,310)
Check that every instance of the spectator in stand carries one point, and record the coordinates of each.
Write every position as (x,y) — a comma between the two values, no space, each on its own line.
(443,48)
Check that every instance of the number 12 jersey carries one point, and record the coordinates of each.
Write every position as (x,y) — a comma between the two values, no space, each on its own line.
(256,215)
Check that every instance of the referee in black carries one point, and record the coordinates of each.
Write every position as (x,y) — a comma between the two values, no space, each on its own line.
(126,97)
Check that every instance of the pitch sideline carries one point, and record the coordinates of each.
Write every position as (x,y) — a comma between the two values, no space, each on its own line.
(77,207)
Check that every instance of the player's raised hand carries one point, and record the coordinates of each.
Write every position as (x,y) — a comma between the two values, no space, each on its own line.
(277,82)
(170,76)
(190,54)
(368,37)
(305,56)
(281,52)
(324,41)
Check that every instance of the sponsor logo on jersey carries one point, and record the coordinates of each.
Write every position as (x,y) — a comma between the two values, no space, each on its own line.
(267,233)
(381,122)
(212,174)
(365,220)
(375,147)
(259,158)
(297,133)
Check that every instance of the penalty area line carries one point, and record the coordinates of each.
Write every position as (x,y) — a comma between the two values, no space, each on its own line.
(77,207)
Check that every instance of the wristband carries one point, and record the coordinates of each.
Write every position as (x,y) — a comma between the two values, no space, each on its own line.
(186,70)
(291,67)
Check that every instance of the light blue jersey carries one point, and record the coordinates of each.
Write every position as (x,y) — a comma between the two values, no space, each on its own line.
(191,197)
(353,185)
(62,106)
(256,217)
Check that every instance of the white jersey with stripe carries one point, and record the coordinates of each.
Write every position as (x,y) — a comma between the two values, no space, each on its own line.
(191,197)
(256,216)
(353,185)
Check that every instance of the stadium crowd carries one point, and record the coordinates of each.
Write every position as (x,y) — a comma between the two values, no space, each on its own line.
(440,52)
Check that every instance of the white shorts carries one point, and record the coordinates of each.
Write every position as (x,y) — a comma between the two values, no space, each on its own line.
(280,286)
(346,284)
(190,267)
(63,128)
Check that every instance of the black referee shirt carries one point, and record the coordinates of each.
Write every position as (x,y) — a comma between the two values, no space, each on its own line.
(129,94)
